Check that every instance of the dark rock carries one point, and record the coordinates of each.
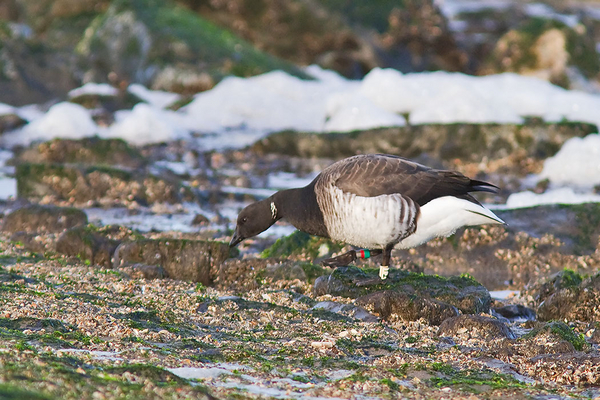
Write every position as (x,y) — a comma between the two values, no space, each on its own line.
(418,33)
(191,260)
(515,312)
(241,274)
(249,274)
(545,49)
(102,185)
(9,122)
(469,142)
(409,307)
(88,151)
(30,241)
(145,271)
(285,271)
(567,296)
(201,220)
(463,292)
(565,279)
(348,310)
(43,219)
(550,338)
(87,243)
(476,326)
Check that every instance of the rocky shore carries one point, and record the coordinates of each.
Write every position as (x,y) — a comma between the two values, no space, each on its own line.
(92,310)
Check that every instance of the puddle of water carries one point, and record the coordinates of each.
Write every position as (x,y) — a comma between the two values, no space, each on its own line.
(504,294)
(8,188)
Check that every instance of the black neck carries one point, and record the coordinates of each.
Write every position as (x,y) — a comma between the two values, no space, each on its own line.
(300,208)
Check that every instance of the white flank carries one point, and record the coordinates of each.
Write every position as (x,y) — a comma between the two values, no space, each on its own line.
(443,216)
(370,222)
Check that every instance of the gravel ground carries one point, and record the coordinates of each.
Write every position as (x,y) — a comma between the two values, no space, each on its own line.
(70,330)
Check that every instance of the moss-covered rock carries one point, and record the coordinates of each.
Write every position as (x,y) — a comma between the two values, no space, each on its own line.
(468,142)
(99,185)
(43,219)
(567,296)
(462,292)
(141,270)
(10,121)
(301,245)
(476,326)
(251,273)
(544,48)
(88,151)
(88,244)
(556,337)
(133,38)
(407,306)
(191,260)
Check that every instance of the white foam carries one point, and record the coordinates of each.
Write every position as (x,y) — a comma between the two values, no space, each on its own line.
(65,120)
(147,124)
(5,109)
(239,111)
(577,163)
(554,196)
(270,102)
(91,88)
(350,112)
(503,294)
(156,98)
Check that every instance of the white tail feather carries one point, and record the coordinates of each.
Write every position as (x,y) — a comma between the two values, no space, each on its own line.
(443,216)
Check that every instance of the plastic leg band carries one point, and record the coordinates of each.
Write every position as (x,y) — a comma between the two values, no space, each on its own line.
(364,254)
(383,272)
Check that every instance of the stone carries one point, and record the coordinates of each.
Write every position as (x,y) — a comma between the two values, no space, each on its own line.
(463,292)
(545,49)
(9,122)
(43,219)
(140,270)
(549,338)
(285,271)
(201,220)
(88,151)
(87,244)
(95,184)
(515,312)
(29,241)
(190,260)
(567,296)
(476,326)
(409,307)
(347,310)
(469,142)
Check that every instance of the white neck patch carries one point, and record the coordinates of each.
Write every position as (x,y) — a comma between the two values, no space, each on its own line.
(273,210)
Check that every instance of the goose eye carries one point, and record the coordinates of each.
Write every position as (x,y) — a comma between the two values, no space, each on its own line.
(244,220)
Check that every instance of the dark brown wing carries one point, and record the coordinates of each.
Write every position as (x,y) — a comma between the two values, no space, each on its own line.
(376,174)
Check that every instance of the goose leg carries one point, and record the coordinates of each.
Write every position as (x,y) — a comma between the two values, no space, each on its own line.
(349,257)
(340,261)
(385,262)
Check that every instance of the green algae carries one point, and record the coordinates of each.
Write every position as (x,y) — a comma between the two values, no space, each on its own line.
(560,330)
(462,292)
(300,244)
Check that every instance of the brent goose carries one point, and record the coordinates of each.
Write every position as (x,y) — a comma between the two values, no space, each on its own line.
(374,201)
